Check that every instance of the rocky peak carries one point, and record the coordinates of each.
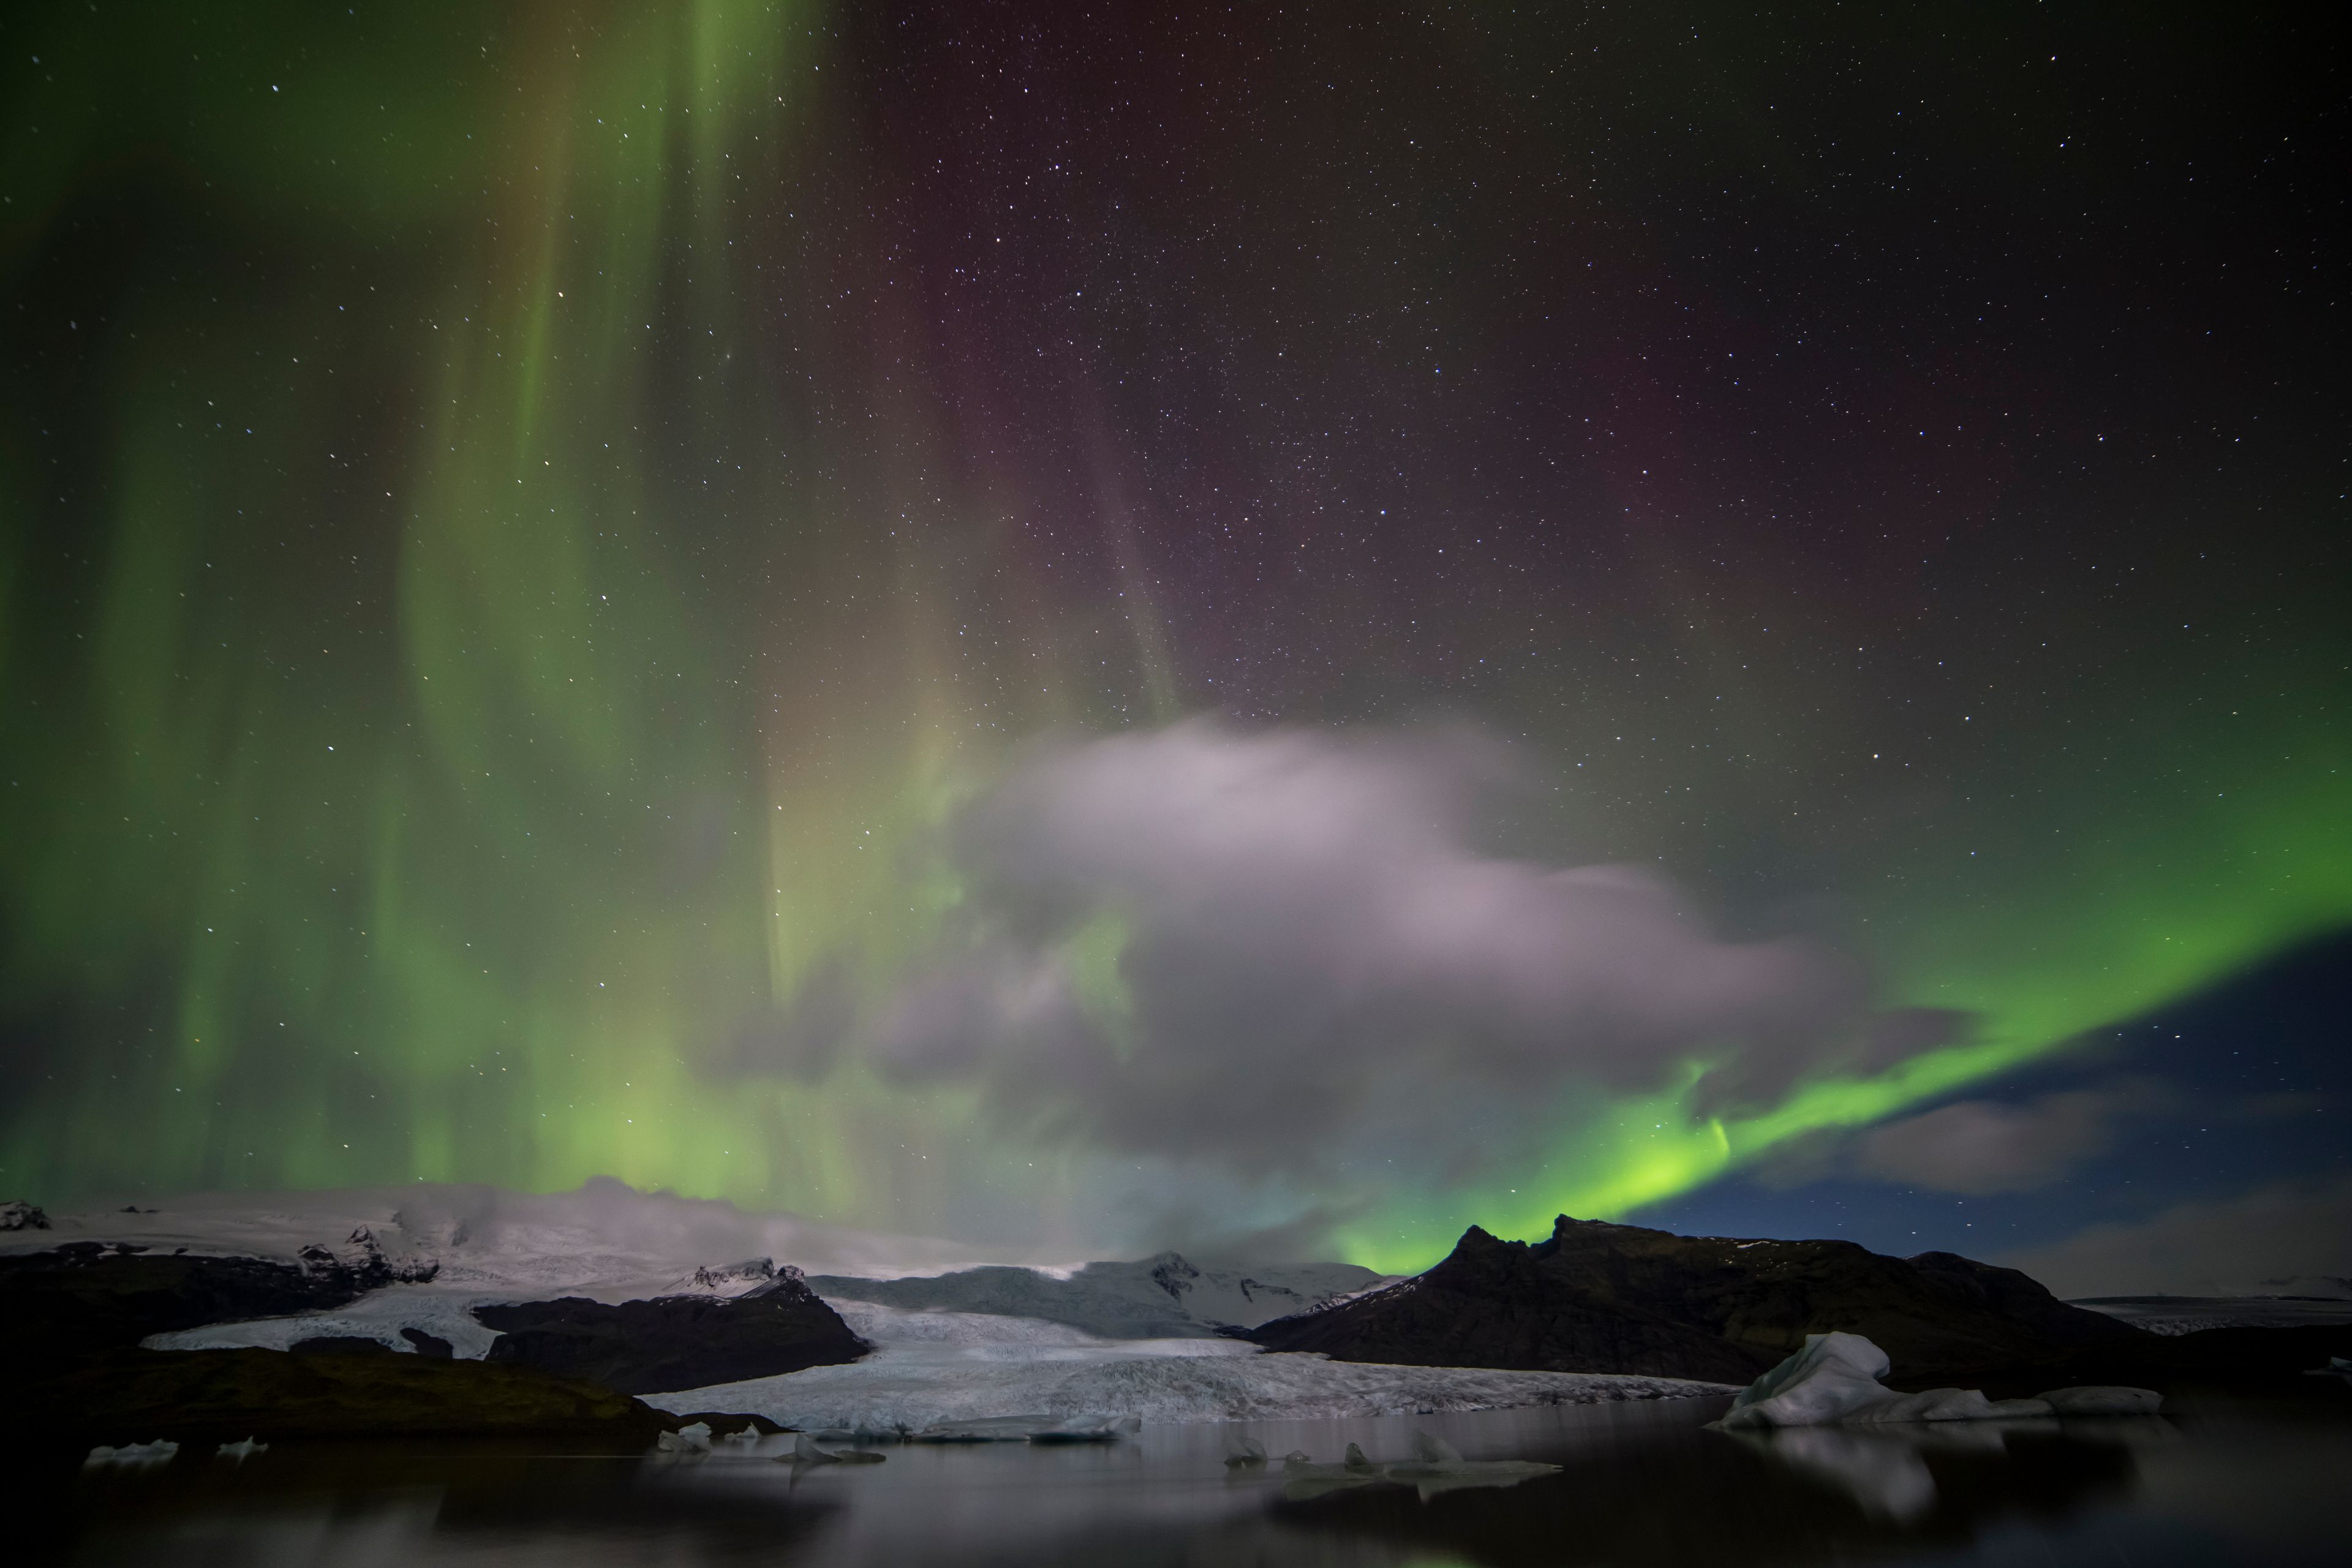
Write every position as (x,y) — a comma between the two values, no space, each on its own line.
(1173,1274)
(720,1276)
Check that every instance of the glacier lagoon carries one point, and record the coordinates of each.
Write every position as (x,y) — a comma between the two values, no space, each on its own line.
(2208,1482)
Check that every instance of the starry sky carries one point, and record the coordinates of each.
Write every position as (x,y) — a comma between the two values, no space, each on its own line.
(1279,628)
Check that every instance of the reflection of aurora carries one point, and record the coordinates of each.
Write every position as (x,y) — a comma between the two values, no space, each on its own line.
(524,545)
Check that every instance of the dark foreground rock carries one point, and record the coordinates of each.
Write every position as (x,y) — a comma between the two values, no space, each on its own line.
(1619,1299)
(339,1344)
(675,1341)
(197,1398)
(90,1295)
(428,1344)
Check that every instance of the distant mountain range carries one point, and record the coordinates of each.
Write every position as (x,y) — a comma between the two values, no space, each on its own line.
(1162,1297)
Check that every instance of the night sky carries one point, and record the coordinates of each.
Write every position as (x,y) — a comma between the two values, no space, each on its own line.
(1281,629)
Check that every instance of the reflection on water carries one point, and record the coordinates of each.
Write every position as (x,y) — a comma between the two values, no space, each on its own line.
(1884,1468)
(1636,1483)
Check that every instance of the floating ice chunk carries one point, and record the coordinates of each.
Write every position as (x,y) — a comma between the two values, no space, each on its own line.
(1930,1405)
(863,1436)
(1244,1451)
(1835,1379)
(1303,1479)
(2094,1399)
(694,1439)
(156,1453)
(243,1451)
(1089,1429)
(1438,1467)
(985,1429)
(806,1452)
(1431,1449)
(1030,1428)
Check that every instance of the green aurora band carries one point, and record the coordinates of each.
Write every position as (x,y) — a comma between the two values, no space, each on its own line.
(490,601)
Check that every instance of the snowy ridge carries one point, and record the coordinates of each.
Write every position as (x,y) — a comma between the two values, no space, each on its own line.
(1166,1296)
(443,1311)
(2171,1315)
(606,1240)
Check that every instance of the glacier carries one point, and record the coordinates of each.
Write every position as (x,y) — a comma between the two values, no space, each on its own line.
(937,1370)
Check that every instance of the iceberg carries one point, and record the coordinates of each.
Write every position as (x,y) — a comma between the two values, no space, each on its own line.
(806,1452)
(2095,1399)
(1437,1466)
(694,1439)
(1085,1428)
(1303,1479)
(241,1452)
(135,1454)
(1835,1379)
(1090,1429)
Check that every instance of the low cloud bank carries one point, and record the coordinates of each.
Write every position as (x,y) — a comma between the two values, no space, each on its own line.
(1981,1147)
(1280,953)
(2259,1242)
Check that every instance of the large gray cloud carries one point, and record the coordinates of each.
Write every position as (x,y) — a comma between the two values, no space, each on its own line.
(1319,966)
(1984,1146)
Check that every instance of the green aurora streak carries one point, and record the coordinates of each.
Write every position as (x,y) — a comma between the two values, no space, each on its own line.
(517,614)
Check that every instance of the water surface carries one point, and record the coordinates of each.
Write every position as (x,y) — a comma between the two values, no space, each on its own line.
(1639,1483)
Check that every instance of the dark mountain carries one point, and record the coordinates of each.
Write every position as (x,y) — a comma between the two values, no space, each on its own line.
(201,1397)
(1619,1299)
(675,1341)
(90,1295)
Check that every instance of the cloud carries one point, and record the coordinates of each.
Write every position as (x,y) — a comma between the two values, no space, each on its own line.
(2221,1247)
(1984,1146)
(1280,953)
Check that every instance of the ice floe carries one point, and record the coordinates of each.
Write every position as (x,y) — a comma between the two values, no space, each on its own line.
(134,1454)
(806,1452)
(693,1439)
(1835,1379)
(1437,1466)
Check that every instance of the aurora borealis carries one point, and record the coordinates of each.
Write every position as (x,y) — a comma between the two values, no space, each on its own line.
(529,534)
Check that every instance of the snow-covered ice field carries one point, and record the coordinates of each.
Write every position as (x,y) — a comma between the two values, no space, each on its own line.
(610,1243)
(937,1367)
